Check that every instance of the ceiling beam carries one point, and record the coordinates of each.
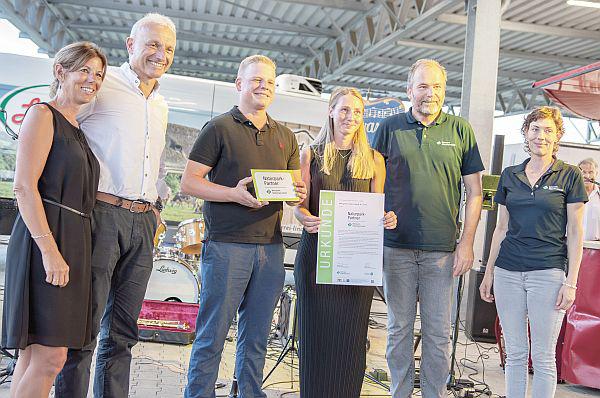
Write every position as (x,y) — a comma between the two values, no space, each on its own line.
(531,56)
(399,91)
(401,77)
(200,17)
(528,27)
(125,28)
(39,22)
(459,68)
(372,34)
(350,5)
(199,38)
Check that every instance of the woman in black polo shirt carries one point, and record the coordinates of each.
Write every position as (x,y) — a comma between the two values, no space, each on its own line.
(537,239)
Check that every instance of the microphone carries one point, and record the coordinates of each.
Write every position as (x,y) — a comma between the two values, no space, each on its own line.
(592,181)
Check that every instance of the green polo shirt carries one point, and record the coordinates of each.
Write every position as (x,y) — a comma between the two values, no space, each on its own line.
(232,145)
(424,166)
(537,220)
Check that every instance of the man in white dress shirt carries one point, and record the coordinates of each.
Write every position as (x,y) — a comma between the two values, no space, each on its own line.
(126,127)
(591,215)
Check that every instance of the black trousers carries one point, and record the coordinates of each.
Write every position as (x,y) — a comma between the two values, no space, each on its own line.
(121,266)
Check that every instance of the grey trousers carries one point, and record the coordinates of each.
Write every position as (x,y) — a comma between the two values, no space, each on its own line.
(522,296)
(121,267)
(428,274)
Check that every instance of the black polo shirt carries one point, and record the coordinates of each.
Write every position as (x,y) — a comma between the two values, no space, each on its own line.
(232,145)
(537,220)
(424,166)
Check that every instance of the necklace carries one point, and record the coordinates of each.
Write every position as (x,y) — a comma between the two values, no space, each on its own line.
(346,155)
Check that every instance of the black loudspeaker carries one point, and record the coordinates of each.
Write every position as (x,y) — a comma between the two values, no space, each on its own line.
(481,315)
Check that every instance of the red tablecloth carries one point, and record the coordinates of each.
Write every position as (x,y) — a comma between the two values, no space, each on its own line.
(581,350)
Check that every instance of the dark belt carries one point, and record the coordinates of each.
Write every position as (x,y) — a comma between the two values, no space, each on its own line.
(134,206)
(84,215)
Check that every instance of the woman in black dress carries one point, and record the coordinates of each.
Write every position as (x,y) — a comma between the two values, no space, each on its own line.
(47,306)
(333,319)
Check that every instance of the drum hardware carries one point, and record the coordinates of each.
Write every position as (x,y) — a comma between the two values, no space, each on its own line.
(9,369)
(287,319)
(289,278)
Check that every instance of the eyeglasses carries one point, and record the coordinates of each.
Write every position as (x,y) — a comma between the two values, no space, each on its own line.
(4,120)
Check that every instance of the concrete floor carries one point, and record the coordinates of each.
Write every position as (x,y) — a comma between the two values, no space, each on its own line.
(159,370)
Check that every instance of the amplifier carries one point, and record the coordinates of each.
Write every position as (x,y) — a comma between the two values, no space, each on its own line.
(481,315)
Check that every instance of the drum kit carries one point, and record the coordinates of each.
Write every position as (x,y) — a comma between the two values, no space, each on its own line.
(176,267)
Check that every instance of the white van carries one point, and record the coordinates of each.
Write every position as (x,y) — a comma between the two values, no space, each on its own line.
(192,102)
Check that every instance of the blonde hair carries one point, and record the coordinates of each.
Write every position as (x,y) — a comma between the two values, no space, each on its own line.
(544,112)
(425,62)
(253,59)
(152,18)
(361,163)
(73,57)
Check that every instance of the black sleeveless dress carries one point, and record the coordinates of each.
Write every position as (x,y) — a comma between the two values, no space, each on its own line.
(36,312)
(333,320)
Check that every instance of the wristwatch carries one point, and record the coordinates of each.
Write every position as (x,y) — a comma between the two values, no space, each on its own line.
(158,204)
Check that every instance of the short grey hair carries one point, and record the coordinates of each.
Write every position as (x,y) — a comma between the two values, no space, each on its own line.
(152,18)
(253,59)
(425,62)
(589,161)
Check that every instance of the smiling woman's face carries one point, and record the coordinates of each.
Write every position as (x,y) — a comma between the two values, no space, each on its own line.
(541,137)
(347,115)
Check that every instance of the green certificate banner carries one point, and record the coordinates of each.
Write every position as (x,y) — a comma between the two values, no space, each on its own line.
(350,240)
(274,185)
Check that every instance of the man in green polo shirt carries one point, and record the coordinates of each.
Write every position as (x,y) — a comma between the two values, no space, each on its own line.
(428,153)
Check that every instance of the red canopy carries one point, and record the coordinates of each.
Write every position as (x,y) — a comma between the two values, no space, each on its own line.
(577,90)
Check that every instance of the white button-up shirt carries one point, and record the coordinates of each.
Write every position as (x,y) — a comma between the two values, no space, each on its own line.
(591,217)
(126,131)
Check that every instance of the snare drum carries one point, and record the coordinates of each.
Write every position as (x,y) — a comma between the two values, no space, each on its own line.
(173,279)
(189,235)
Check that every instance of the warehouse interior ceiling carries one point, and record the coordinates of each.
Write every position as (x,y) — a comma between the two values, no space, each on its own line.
(368,44)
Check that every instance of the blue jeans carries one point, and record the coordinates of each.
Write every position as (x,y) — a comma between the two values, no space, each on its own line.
(243,277)
(427,274)
(523,295)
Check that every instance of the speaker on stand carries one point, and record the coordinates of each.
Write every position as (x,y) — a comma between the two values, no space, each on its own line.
(481,315)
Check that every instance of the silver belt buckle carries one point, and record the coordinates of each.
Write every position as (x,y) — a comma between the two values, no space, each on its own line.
(134,202)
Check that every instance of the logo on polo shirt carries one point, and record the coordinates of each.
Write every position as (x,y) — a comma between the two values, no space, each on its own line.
(446,143)
(553,188)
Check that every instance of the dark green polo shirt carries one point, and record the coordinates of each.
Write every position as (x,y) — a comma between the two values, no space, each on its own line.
(537,220)
(424,165)
(232,145)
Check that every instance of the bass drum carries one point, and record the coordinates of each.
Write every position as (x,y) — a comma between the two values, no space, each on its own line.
(173,279)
